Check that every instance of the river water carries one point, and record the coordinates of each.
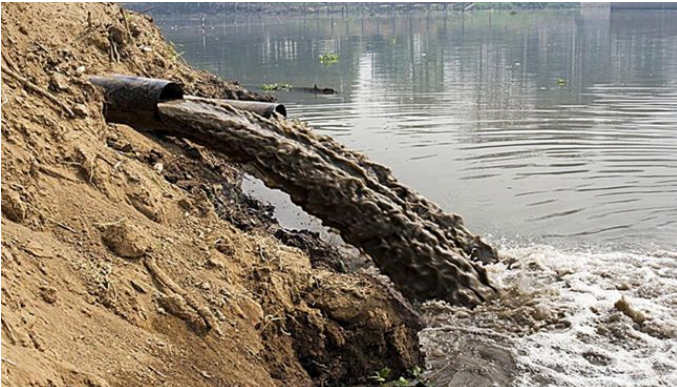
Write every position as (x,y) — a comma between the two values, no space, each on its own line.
(553,133)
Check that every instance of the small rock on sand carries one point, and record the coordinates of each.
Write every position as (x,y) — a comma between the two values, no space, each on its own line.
(126,240)
(49,294)
(12,206)
(58,82)
(81,110)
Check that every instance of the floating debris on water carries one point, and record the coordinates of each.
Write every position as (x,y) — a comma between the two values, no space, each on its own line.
(329,58)
(624,306)
(276,87)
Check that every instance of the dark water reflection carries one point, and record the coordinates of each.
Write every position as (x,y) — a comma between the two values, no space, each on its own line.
(469,110)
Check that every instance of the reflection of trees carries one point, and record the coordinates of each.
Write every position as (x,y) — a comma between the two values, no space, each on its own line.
(475,96)
(259,50)
(490,61)
(633,46)
(306,8)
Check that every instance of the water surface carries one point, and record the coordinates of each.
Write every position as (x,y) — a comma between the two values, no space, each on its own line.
(553,133)
(552,126)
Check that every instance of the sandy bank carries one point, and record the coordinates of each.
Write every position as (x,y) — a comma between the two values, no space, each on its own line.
(129,260)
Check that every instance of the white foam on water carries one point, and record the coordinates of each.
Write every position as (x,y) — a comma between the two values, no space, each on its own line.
(602,346)
(560,321)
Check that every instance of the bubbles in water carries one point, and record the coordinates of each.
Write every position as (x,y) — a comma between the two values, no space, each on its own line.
(567,318)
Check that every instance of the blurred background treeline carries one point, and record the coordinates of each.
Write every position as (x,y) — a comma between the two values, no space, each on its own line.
(327,7)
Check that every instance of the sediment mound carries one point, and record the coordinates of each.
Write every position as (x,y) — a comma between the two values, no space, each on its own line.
(129,260)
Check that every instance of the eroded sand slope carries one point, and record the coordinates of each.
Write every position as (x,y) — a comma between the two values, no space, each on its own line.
(128,260)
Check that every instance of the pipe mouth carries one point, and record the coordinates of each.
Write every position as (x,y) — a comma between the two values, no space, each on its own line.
(170,92)
(280,109)
(133,100)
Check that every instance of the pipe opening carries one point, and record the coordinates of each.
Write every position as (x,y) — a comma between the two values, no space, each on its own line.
(171,91)
(280,109)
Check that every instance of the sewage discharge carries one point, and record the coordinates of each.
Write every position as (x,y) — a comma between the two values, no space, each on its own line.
(427,253)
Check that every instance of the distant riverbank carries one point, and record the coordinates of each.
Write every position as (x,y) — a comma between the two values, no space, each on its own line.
(344,8)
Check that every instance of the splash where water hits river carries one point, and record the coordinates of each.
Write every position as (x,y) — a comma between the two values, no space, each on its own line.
(552,133)
(561,323)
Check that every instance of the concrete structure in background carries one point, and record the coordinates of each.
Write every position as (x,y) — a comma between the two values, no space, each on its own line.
(615,6)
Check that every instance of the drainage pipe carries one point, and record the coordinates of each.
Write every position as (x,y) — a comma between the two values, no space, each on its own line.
(133,101)
(264,109)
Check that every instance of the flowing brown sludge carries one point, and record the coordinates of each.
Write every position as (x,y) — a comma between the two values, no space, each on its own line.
(425,252)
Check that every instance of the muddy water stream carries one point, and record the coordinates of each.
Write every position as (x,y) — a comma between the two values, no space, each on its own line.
(552,133)
(423,250)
